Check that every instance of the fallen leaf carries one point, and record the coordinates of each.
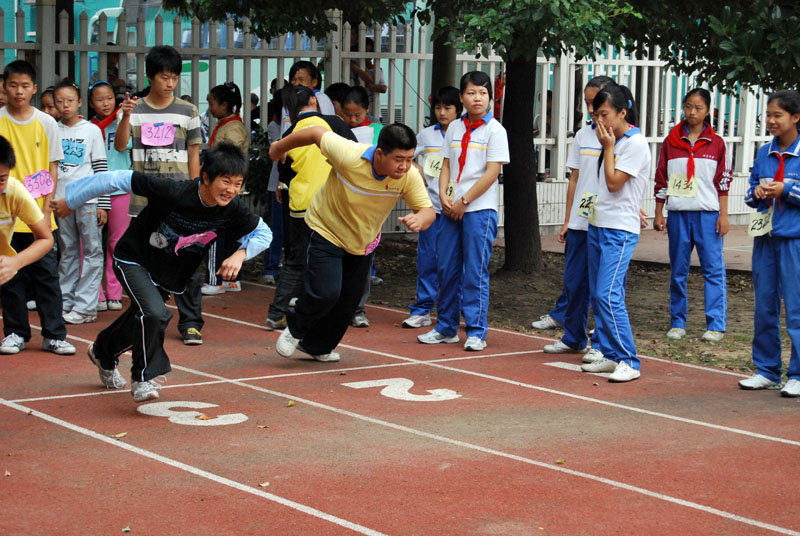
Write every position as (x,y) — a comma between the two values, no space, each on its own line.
(263,485)
(127,529)
(262,426)
(30,412)
(7,473)
(595,383)
(560,461)
(290,404)
(119,435)
(342,374)
(203,417)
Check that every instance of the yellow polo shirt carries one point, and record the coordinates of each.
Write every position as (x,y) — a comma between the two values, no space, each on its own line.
(351,206)
(15,203)
(311,168)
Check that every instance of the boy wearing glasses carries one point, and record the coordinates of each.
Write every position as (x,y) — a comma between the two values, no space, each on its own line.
(166,143)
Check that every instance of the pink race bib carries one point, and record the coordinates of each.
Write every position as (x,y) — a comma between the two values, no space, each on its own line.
(39,184)
(372,245)
(199,238)
(158,134)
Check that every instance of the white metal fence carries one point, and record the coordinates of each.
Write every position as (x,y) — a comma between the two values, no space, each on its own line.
(214,53)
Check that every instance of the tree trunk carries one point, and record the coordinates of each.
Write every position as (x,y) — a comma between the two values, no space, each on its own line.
(521,222)
(443,66)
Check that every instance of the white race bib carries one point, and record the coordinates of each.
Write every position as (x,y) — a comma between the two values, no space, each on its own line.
(761,222)
(433,165)
(586,208)
(679,186)
(451,191)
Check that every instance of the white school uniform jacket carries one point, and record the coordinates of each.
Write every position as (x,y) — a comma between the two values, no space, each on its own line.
(84,154)
(429,142)
(488,143)
(620,209)
(583,157)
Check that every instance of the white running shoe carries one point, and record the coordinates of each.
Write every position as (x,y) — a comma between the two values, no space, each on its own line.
(791,389)
(474,344)
(74,317)
(601,365)
(713,336)
(111,379)
(434,337)
(676,334)
(360,320)
(212,290)
(624,373)
(418,321)
(102,306)
(114,305)
(546,322)
(144,391)
(592,355)
(232,286)
(559,347)
(58,347)
(286,344)
(757,381)
(12,344)
(327,358)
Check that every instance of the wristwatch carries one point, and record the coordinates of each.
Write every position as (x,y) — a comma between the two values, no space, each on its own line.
(464,201)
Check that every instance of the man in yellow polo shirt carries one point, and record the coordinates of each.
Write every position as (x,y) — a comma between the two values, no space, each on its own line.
(345,217)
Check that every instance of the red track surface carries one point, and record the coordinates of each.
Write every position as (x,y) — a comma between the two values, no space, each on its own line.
(512,447)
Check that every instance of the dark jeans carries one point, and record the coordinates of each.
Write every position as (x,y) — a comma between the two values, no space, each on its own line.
(332,286)
(279,212)
(140,328)
(38,280)
(190,303)
(290,284)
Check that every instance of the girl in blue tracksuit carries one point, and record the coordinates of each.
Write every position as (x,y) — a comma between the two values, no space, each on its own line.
(474,150)
(775,193)
(692,179)
(623,169)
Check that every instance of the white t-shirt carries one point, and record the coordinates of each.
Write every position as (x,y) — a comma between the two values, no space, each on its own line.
(620,209)
(583,157)
(84,154)
(325,108)
(429,143)
(488,143)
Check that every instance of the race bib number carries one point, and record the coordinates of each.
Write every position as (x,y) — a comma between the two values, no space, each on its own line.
(74,152)
(761,222)
(158,134)
(586,208)
(39,184)
(451,191)
(372,245)
(433,165)
(199,238)
(680,186)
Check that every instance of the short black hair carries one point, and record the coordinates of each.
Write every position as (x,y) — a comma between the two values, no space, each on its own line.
(67,83)
(356,95)
(478,78)
(310,68)
(223,159)
(20,67)
(162,59)
(7,156)
(396,136)
(447,96)
(337,91)
(254,99)
(787,99)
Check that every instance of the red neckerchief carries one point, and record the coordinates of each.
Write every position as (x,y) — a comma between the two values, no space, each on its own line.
(462,158)
(779,174)
(365,123)
(676,140)
(105,122)
(221,123)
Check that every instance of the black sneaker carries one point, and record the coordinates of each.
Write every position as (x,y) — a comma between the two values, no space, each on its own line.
(192,336)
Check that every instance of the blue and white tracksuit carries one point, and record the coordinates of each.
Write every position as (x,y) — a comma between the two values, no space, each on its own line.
(613,235)
(776,263)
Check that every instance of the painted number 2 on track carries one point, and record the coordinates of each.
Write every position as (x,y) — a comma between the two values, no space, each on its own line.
(399,388)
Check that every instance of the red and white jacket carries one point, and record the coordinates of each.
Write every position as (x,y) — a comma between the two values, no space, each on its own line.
(711,168)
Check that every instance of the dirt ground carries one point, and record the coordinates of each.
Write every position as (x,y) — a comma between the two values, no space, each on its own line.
(517,299)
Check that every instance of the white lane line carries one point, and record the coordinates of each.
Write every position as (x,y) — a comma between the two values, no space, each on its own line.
(506,455)
(355,527)
(576,368)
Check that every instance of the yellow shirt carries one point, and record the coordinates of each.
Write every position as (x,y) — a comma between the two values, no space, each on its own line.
(15,203)
(311,167)
(351,206)
(36,143)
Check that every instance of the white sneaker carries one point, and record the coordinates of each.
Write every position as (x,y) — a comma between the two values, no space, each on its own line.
(713,336)
(12,344)
(360,320)
(232,286)
(31,305)
(267,279)
(624,373)
(327,358)
(111,379)
(144,391)
(417,321)
(74,317)
(375,280)
(212,290)
(114,305)
(434,337)
(560,348)
(102,306)
(676,334)
(58,347)
(474,344)
(546,322)
(757,381)
(286,344)
(601,365)
(592,355)
(791,389)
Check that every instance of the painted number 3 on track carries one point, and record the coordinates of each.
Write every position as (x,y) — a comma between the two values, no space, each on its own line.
(190,418)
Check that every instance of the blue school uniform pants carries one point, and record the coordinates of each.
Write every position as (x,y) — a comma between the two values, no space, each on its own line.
(464,249)
(427,278)
(559,311)
(576,290)
(610,252)
(776,274)
(272,256)
(688,230)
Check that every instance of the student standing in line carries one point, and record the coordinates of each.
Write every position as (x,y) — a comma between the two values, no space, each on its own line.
(692,180)
(775,193)
(614,226)
(48,103)
(225,105)
(37,145)
(305,73)
(474,150)
(161,250)
(345,217)
(446,108)
(103,101)
(582,192)
(80,240)
(166,143)
(336,93)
